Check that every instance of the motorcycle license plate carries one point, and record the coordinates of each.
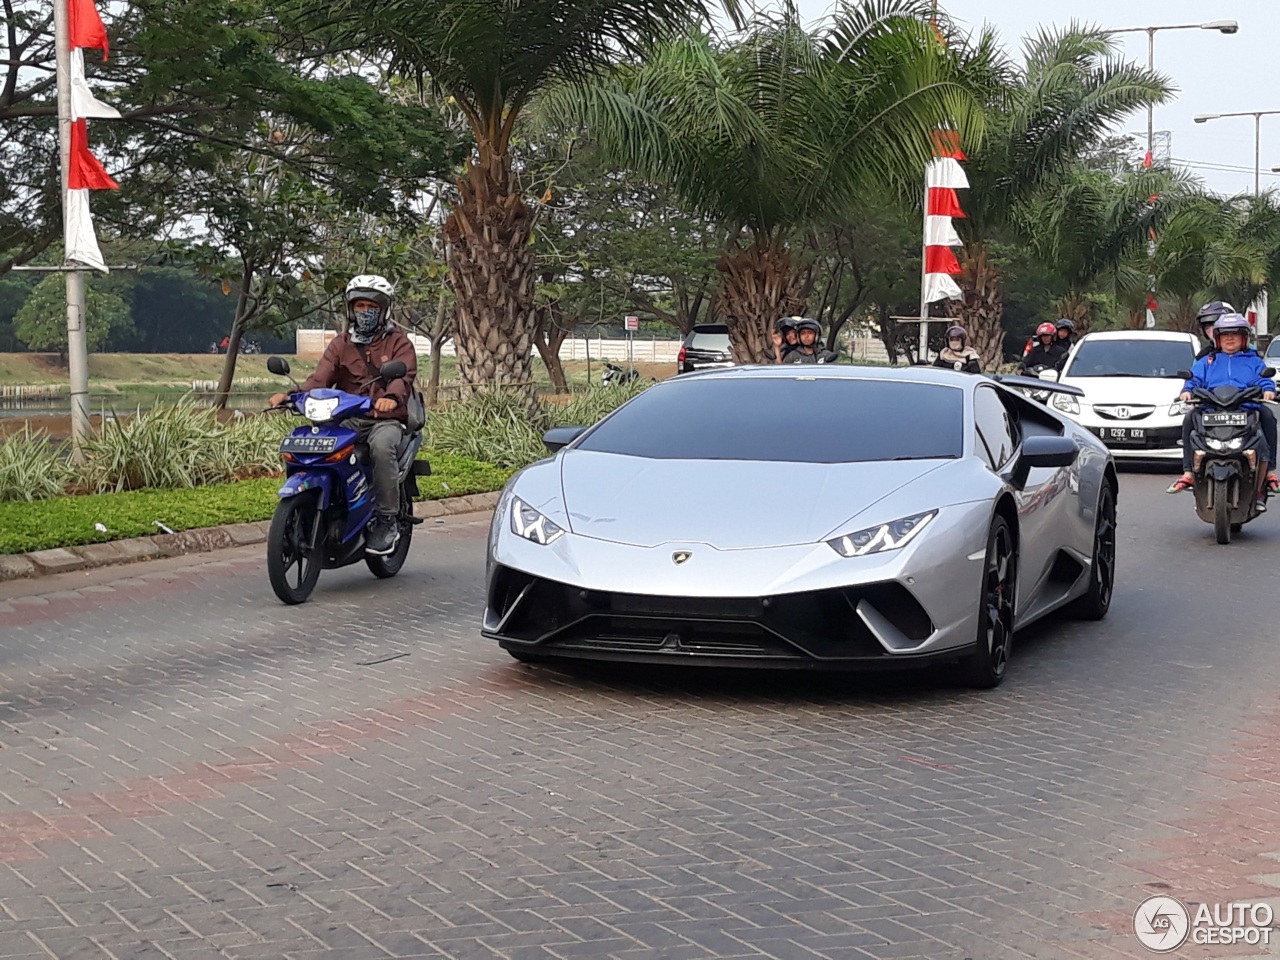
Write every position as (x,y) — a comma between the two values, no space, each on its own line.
(308,444)
(1122,433)
(1235,419)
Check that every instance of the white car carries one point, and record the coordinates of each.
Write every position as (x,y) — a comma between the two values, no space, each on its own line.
(1131,385)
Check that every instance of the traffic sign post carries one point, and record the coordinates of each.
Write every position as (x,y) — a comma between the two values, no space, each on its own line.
(632,325)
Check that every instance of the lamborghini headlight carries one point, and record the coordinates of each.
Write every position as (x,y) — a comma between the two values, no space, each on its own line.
(529,523)
(320,411)
(1225,446)
(885,537)
(1065,402)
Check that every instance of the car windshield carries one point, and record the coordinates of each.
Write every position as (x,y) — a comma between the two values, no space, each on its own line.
(790,419)
(709,340)
(1131,358)
(1273,350)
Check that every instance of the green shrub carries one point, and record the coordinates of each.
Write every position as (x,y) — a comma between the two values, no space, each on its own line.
(31,467)
(179,445)
(496,427)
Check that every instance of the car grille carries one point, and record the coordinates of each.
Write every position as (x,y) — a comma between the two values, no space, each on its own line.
(820,625)
(1123,412)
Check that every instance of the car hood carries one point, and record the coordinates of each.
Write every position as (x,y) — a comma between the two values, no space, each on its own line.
(727,504)
(1149,391)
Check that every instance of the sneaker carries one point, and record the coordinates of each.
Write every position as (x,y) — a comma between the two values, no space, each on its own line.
(1260,505)
(1182,483)
(381,536)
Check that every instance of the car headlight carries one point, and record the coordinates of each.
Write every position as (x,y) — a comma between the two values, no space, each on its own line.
(1065,402)
(529,523)
(320,411)
(1223,446)
(1179,409)
(882,538)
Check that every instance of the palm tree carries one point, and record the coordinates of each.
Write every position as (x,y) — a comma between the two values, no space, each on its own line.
(492,57)
(781,131)
(1042,118)
(1087,221)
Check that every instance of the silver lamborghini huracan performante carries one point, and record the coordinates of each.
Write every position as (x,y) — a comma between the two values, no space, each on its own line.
(843,517)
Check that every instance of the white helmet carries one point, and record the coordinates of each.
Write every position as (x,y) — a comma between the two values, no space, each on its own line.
(365,325)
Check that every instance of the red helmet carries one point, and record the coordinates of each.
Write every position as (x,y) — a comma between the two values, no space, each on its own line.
(1046,330)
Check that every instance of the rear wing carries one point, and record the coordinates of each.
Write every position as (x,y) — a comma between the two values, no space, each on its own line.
(1035,383)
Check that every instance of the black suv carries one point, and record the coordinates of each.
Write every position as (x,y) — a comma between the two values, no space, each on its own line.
(707,345)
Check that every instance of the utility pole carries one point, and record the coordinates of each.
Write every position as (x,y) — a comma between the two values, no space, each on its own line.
(77,339)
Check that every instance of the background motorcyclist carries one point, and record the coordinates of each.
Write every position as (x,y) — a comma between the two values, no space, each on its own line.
(1065,333)
(785,339)
(1233,364)
(1047,352)
(958,351)
(808,350)
(351,363)
(1206,317)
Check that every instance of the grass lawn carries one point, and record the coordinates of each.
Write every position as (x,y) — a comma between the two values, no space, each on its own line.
(70,521)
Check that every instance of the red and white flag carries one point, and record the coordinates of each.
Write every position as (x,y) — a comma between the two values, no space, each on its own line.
(943,177)
(84,172)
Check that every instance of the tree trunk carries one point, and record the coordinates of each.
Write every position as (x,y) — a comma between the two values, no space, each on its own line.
(759,285)
(233,339)
(491,271)
(548,338)
(888,332)
(438,334)
(982,309)
(1075,306)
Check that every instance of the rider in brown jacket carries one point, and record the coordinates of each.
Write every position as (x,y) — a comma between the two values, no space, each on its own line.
(351,363)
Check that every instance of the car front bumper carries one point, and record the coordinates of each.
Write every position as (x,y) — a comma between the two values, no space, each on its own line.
(1161,437)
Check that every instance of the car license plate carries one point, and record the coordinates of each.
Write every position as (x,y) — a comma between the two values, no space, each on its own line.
(308,444)
(1235,419)
(1122,434)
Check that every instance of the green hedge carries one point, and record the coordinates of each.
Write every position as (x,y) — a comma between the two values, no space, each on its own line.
(70,521)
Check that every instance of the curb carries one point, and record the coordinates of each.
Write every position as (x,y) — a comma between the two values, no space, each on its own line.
(44,563)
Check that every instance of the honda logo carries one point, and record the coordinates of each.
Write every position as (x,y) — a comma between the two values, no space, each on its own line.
(1122,413)
(680,556)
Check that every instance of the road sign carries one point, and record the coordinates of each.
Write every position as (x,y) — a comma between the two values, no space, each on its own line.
(633,323)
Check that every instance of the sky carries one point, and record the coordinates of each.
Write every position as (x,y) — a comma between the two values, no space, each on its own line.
(1210,71)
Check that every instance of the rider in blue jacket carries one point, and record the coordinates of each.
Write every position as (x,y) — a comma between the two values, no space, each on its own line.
(1233,364)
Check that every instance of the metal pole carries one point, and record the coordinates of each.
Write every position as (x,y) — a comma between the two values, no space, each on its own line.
(1257,154)
(1151,65)
(77,342)
(922,354)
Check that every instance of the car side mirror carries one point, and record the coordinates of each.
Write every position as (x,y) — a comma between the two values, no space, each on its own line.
(830,357)
(392,370)
(278,365)
(1268,371)
(557,438)
(1043,452)
(1184,374)
(1050,374)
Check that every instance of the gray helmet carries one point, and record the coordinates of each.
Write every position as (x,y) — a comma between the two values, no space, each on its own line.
(1231,323)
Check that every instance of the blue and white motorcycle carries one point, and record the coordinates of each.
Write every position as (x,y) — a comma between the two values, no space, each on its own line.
(326,501)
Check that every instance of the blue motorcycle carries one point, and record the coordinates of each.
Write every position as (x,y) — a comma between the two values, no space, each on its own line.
(326,501)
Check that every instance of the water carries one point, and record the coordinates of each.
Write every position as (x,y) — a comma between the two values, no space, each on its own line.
(121,403)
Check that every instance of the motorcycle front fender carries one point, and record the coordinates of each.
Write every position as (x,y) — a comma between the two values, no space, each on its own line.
(1222,469)
(305,480)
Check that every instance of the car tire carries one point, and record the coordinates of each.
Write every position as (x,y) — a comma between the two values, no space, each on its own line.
(1102,573)
(986,665)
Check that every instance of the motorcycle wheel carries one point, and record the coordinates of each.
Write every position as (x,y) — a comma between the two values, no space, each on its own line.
(1221,511)
(293,547)
(386,567)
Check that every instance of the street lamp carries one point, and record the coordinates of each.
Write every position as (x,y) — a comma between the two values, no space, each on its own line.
(1222,26)
(1257,137)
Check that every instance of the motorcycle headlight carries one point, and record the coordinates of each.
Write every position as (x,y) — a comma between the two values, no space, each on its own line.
(1224,446)
(880,539)
(529,523)
(320,411)
(1065,402)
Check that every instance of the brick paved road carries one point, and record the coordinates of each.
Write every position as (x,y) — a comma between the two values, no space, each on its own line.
(189,769)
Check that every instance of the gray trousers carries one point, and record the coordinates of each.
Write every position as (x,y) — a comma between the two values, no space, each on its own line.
(383,438)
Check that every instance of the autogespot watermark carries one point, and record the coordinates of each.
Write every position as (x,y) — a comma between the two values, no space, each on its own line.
(1163,924)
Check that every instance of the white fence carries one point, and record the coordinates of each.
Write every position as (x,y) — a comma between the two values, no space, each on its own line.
(865,347)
